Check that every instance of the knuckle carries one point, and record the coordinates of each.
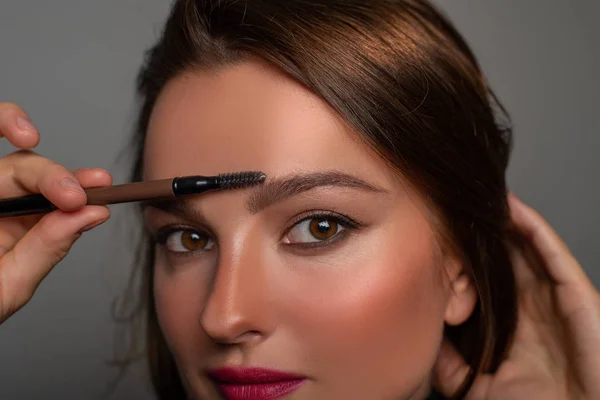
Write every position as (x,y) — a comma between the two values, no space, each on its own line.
(54,248)
(59,253)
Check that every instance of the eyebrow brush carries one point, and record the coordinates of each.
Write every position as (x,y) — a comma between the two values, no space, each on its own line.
(138,191)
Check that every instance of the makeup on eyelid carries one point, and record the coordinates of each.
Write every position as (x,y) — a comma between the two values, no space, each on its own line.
(310,230)
(354,211)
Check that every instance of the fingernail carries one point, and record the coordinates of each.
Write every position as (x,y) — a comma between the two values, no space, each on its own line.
(25,124)
(71,184)
(91,226)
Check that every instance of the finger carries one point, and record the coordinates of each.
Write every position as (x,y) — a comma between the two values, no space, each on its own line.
(93,177)
(558,261)
(31,173)
(451,371)
(524,274)
(12,232)
(16,126)
(527,265)
(47,243)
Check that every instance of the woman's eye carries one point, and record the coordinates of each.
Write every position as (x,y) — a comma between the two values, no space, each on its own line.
(183,241)
(312,230)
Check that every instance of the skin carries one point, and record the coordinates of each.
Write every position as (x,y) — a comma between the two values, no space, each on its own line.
(377,297)
(556,351)
(31,246)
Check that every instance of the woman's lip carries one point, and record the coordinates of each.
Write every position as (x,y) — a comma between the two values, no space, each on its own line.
(251,376)
(258,391)
(254,383)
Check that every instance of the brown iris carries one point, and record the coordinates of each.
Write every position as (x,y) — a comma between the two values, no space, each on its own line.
(323,229)
(193,241)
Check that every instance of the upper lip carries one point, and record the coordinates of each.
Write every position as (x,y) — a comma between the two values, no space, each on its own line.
(249,376)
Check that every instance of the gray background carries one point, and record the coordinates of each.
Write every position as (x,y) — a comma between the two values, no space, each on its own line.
(71,64)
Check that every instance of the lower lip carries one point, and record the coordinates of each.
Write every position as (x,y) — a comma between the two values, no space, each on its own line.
(259,391)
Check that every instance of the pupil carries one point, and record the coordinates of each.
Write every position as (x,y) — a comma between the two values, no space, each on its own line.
(323,227)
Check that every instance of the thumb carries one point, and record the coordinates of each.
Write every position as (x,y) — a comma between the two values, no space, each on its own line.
(451,371)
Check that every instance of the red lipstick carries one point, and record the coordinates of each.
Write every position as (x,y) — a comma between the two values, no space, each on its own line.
(254,383)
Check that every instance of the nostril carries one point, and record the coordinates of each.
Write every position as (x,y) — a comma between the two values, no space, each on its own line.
(243,339)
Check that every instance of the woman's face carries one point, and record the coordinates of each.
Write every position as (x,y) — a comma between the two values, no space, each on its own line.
(329,271)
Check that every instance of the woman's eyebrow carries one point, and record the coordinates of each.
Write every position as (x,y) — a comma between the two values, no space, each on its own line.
(278,189)
(270,192)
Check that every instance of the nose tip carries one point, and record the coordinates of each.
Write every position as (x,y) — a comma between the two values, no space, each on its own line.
(237,308)
(227,319)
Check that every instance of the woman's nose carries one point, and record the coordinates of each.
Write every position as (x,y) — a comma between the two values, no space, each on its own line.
(238,308)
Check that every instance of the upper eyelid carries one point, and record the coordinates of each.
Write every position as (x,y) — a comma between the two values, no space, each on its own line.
(307,215)
(165,219)
(151,214)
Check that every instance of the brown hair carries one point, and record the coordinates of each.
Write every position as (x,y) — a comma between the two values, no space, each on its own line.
(400,75)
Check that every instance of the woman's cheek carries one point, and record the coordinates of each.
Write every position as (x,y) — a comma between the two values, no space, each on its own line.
(374,313)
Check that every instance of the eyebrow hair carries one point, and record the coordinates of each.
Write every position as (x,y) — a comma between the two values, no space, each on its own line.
(278,189)
(271,191)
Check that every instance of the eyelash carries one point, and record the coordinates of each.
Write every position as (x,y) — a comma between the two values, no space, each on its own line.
(348,226)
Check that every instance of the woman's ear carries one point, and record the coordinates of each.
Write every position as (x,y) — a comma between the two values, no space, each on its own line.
(462,294)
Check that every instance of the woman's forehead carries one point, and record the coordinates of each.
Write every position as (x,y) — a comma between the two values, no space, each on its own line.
(250,117)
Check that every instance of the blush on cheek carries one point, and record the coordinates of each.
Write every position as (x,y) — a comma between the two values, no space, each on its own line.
(377,320)
(390,332)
